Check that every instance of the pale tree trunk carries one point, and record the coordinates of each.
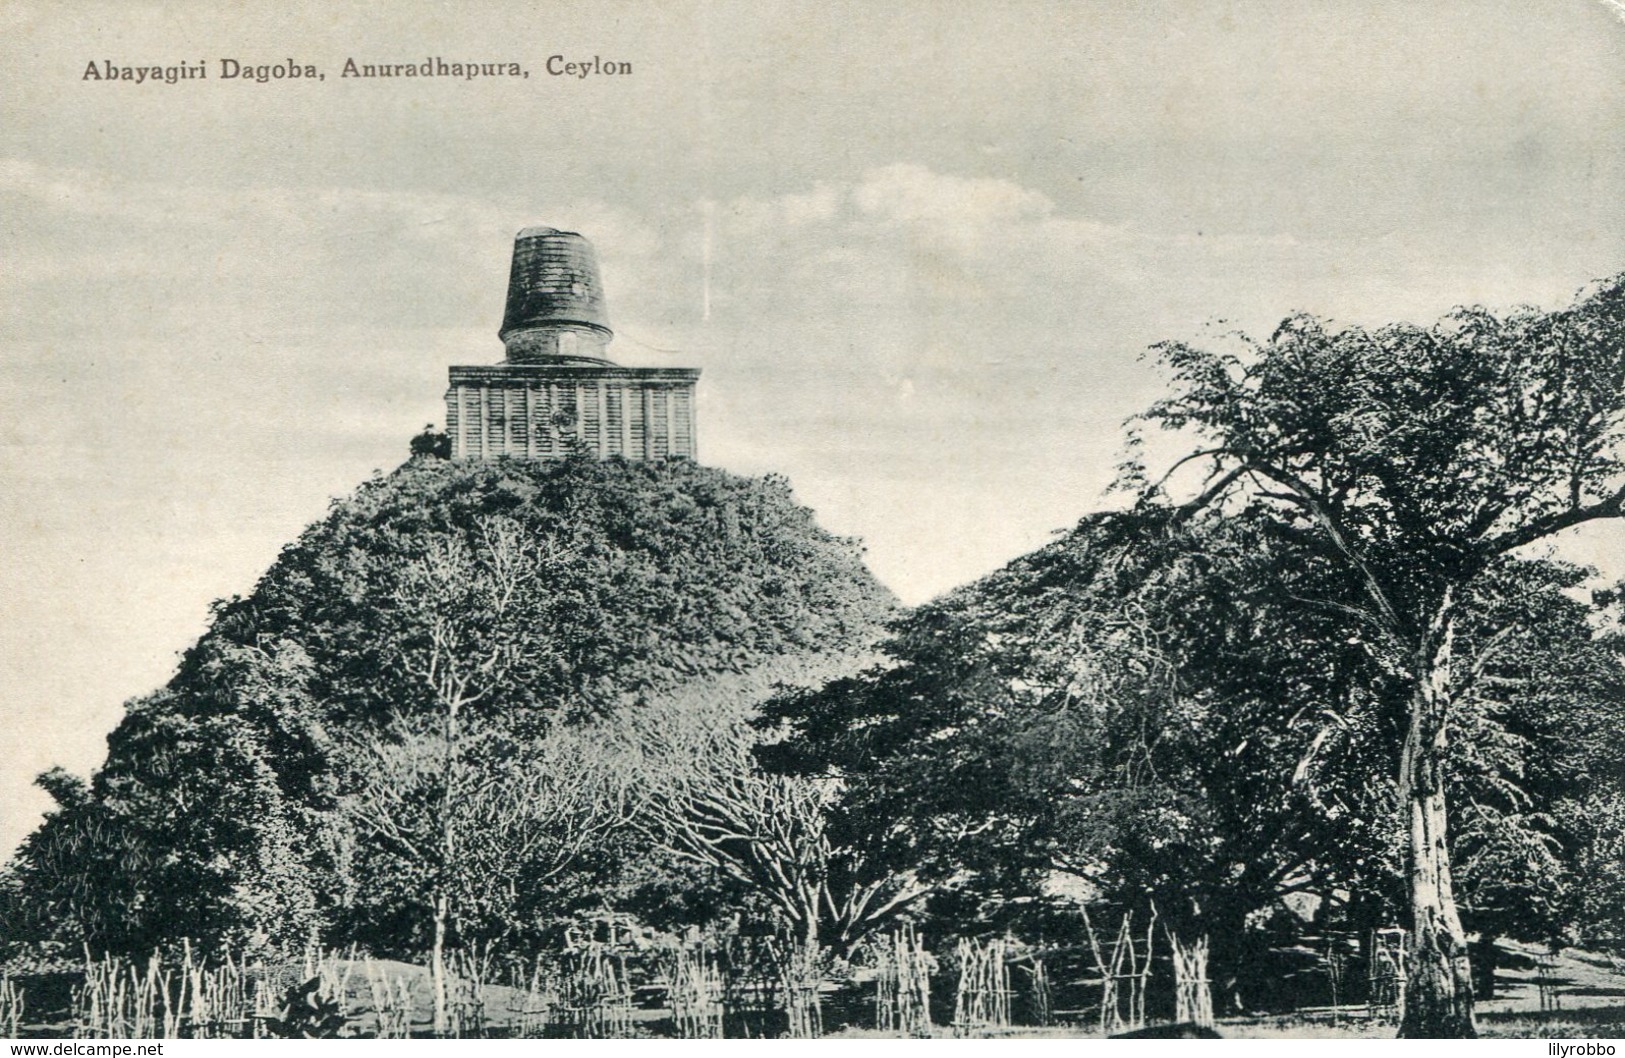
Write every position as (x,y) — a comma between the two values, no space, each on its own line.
(801,1002)
(1438,984)
(448,853)
(437,964)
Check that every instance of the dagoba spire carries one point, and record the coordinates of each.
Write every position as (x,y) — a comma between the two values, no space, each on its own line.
(555,310)
(557,393)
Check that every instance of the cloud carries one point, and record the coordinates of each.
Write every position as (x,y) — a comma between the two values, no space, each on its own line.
(93,259)
(915,196)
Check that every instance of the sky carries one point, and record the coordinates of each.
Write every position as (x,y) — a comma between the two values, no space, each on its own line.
(919,250)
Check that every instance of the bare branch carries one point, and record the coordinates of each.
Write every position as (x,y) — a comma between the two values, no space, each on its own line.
(1537,528)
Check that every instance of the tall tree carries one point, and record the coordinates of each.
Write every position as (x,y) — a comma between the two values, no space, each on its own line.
(1415,458)
(1121,706)
(458,643)
(707,801)
(189,836)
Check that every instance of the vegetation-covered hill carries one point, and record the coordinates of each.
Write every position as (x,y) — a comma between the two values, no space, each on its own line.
(437,634)
(655,572)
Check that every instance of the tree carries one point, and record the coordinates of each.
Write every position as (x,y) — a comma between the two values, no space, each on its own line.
(432,443)
(1120,706)
(1599,899)
(526,814)
(459,620)
(1590,779)
(1415,459)
(707,801)
(207,821)
(188,836)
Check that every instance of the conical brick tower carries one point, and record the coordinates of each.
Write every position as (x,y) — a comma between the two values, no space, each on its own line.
(557,393)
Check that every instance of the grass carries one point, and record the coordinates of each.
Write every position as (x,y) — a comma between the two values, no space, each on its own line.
(170,999)
(552,996)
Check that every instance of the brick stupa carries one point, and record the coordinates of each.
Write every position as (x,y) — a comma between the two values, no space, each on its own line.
(557,392)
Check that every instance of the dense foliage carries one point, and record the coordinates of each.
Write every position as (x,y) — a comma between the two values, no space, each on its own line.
(1165,713)
(1272,685)
(288,777)
(1417,459)
(1314,678)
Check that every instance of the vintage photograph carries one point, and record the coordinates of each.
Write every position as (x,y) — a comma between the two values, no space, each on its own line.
(700,519)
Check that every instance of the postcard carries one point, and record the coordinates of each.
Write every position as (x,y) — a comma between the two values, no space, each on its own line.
(701,518)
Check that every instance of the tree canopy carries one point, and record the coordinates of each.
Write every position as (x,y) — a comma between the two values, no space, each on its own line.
(1266,683)
(1415,458)
(228,804)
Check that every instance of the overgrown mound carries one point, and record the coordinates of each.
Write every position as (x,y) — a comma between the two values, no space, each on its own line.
(513,598)
(656,572)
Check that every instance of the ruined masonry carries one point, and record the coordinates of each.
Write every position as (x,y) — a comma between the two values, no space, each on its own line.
(557,391)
